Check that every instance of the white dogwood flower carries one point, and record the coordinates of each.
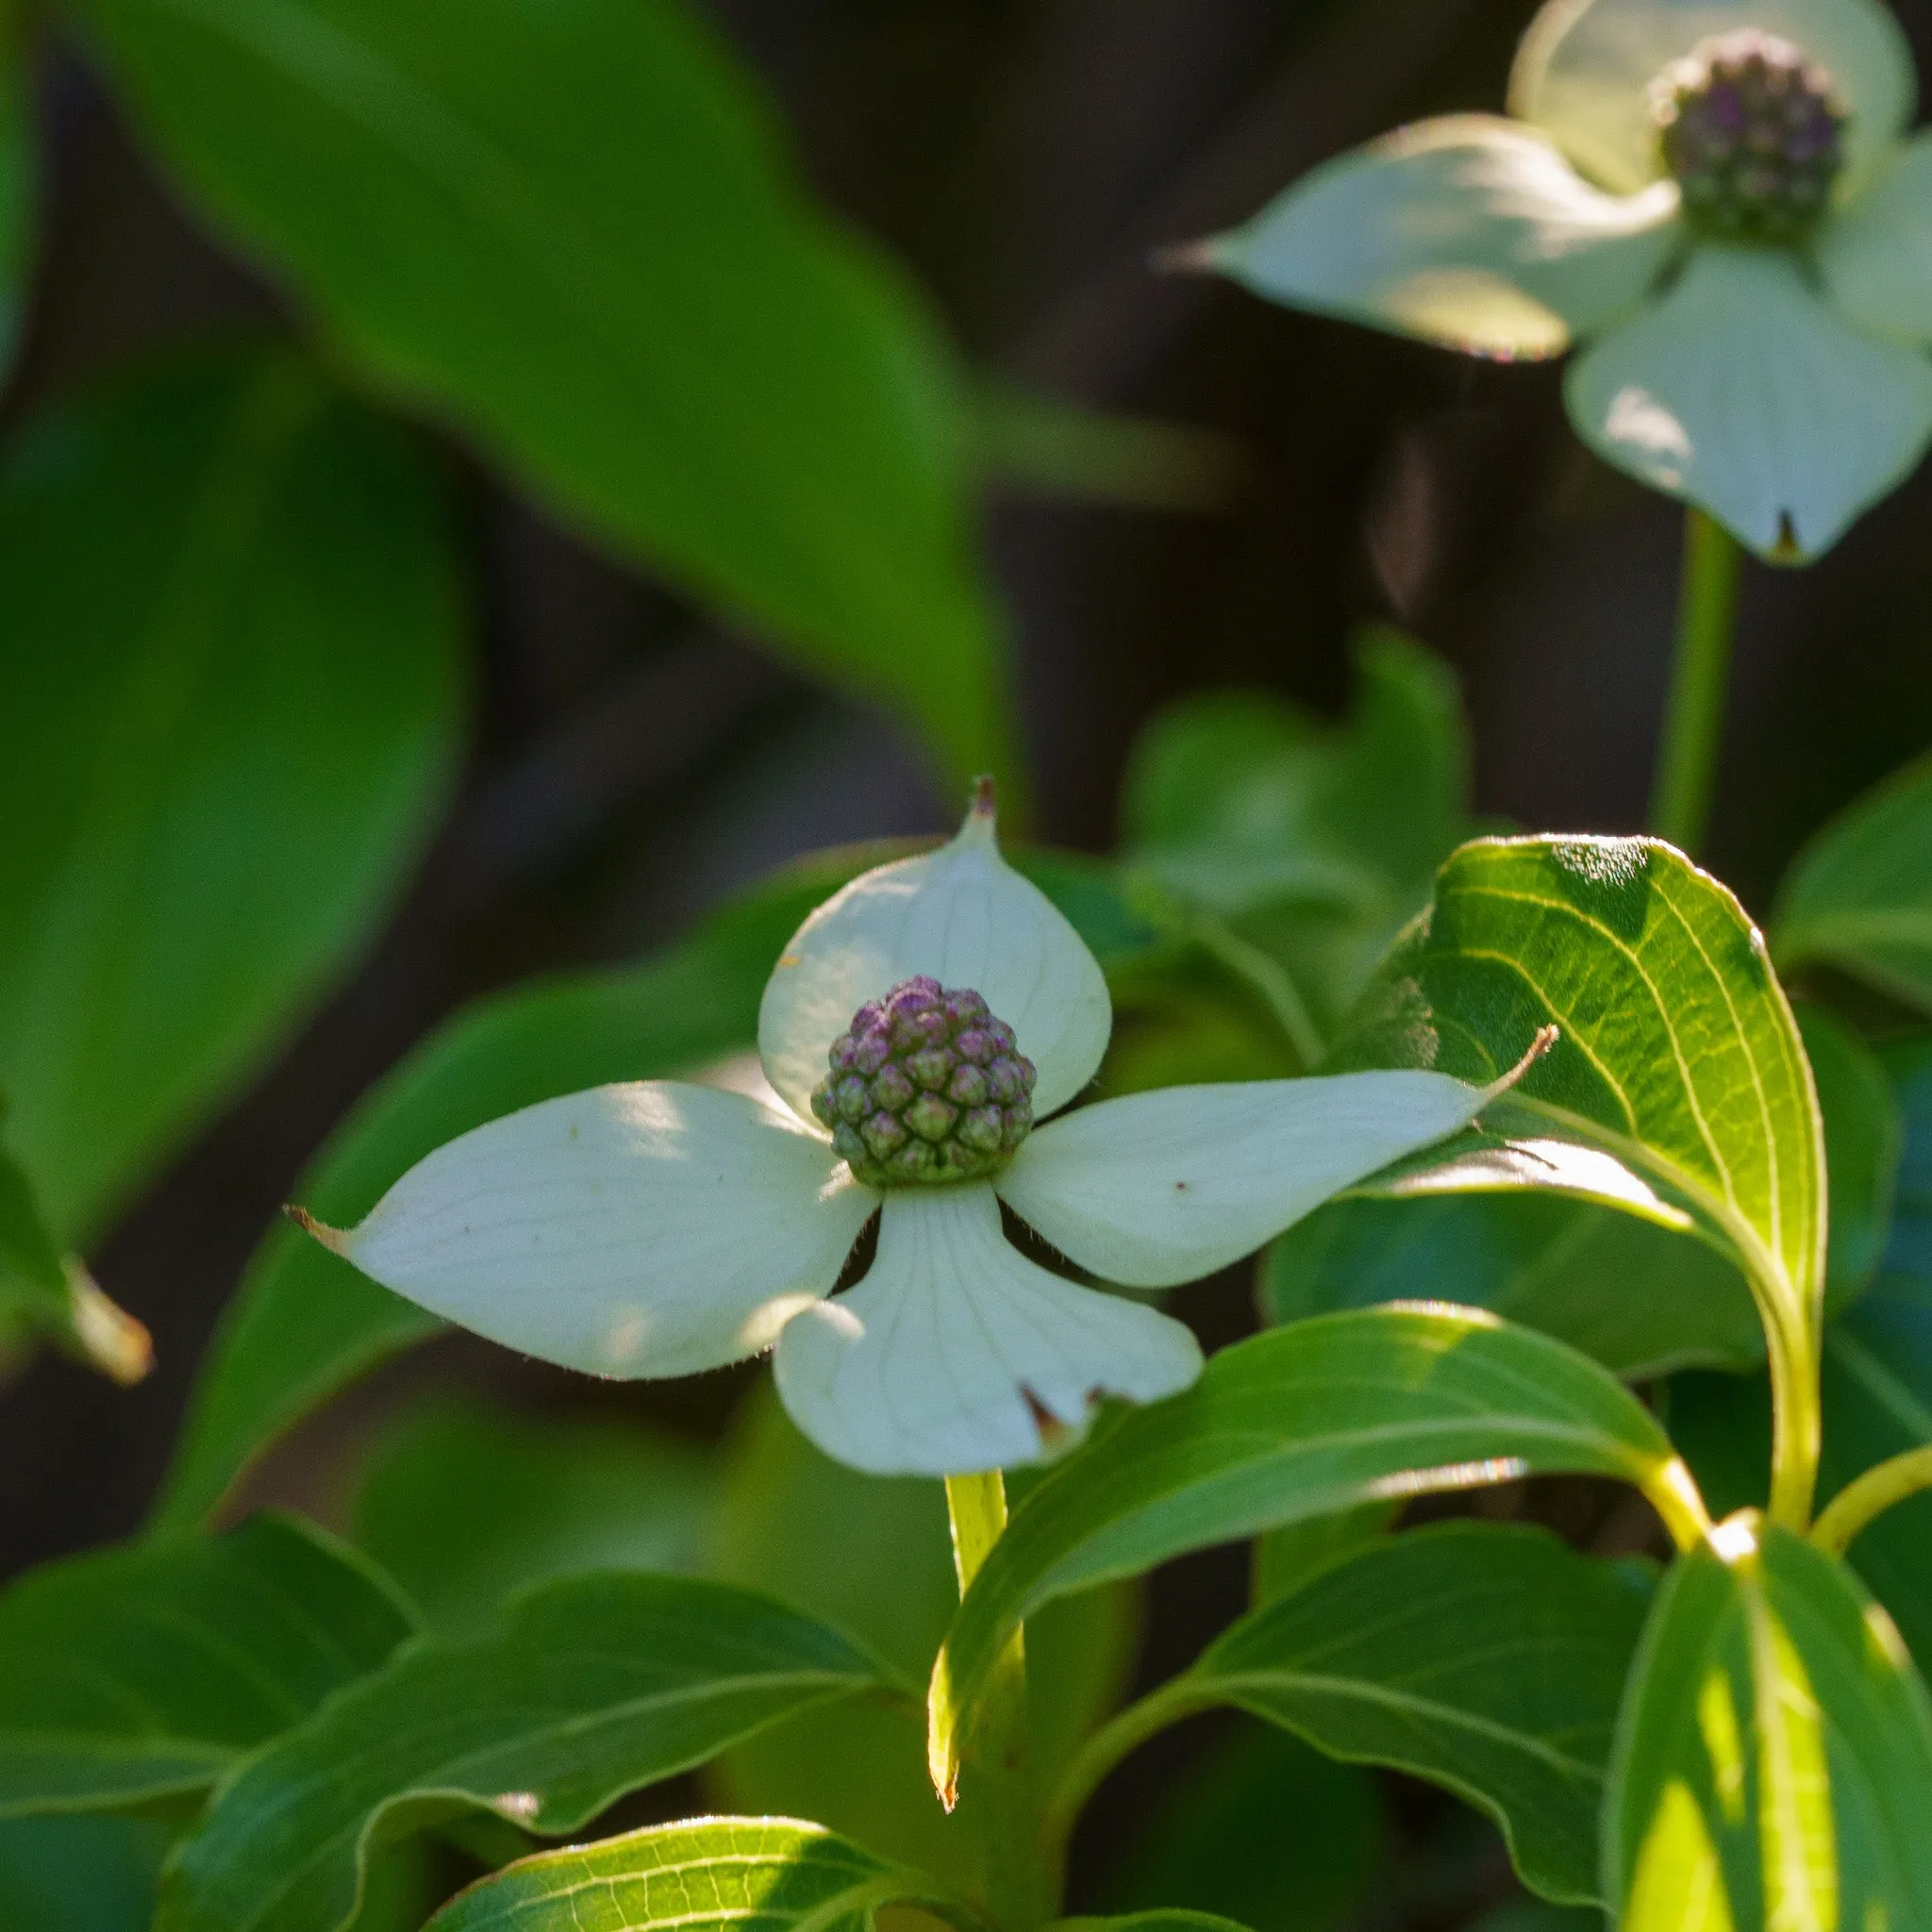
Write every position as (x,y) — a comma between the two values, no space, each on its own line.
(1715,196)
(912,1031)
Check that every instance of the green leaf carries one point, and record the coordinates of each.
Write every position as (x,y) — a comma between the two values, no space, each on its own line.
(1860,895)
(47,1294)
(230,699)
(1775,1752)
(873,1556)
(1640,1298)
(572,232)
(1485,1657)
(589,1688)
(708,1873)
(465,1505)
(1678,1056)
(132,1674)
(1264,1830)
(1313,843)
(1297,1422)
(19,186)
(1863,1135)
(1636,1297)
(81,1874)
(304,1324)
(1163,1921)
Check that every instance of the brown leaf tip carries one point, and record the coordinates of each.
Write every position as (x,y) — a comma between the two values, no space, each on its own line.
(985,803)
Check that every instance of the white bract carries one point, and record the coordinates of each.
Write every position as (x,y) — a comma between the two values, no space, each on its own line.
(1777,379)
(663,1227)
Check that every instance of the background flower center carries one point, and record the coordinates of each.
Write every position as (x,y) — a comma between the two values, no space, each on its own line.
(1752,129)
(926,1085)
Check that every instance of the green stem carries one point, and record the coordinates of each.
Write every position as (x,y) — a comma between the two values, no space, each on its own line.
(1794,1427)
(1114,1740)
(1018,1894)
(1694,714)
(1873,1494)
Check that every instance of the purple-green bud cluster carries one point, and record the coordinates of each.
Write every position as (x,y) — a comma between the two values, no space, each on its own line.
(1753,131)
(925,1085)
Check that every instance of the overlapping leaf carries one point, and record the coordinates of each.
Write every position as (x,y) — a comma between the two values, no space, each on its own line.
(571,231)
(1679,1059)
(1300,1421)
(1485,1657)
(133,1673)
(1624,1285)
(873,1556)
(303,1323)
(1774,1753)
(230,698)
(705,1875)
(1860,895)
(589,1688)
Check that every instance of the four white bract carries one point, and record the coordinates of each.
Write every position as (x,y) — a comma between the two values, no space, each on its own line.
(1773,372)
(664,1227)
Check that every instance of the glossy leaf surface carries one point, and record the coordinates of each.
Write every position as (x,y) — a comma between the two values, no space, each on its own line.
(570,232)
(1774,1756)
(231,695)
(1678,1058)
(465,1505)
(589,1688)
(1300,1421)
(132,1674)
(303,1323)
(1860,895)
(708,1873)
(1484,1657)
(1639,1297)
(873,1556)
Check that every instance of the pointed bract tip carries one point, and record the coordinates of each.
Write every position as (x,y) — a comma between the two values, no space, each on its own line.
(1184,259)
(333,1239)
(985,803)
(1547,1037)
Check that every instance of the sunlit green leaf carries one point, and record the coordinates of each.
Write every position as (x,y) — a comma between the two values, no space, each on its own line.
(589,1688)
(1679,1070)
(1262,1829)
(303,1323)
(1640,1298)
(1161,1921)
(570,230)
(464,1505)
(705,1875)
(1773,1757)
(1300,1421)
(231,695)
(1860,895)
(1637,1297)
(873,1556)
(1485,1657)
(134,1673)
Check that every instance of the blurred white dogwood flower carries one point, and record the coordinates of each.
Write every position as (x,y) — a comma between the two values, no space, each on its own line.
(910,1032)
(1714,196)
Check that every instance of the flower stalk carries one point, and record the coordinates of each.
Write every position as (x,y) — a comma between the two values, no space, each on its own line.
(1019,1894)
(1700,679)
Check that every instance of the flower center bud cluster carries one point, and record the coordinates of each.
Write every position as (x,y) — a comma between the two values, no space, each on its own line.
(1752,130)
(926,1086)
